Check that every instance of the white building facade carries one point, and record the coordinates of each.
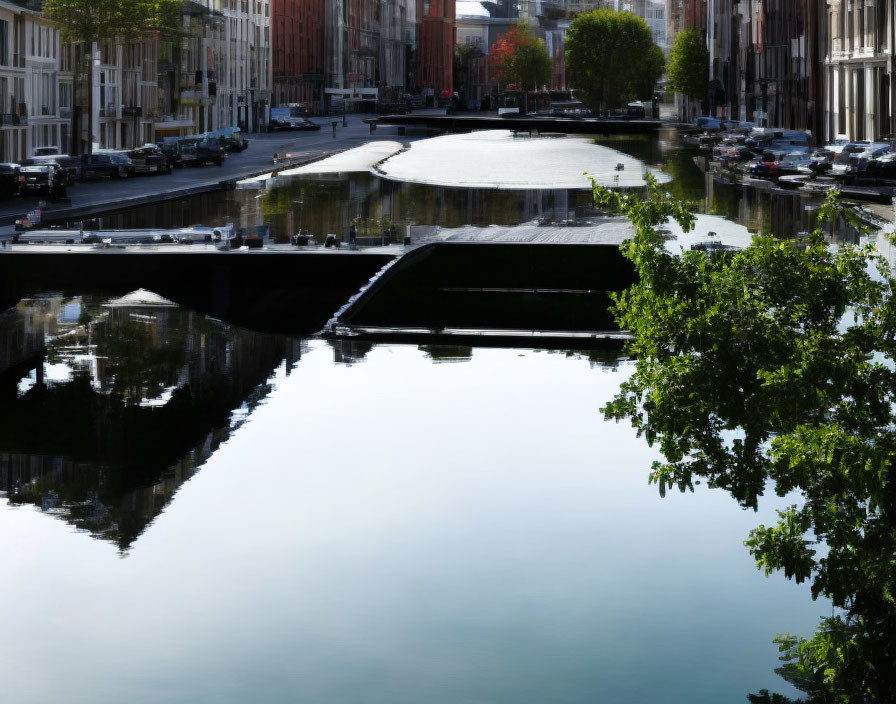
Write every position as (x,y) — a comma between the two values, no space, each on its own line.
(859,76)
(35,91)
(238,64)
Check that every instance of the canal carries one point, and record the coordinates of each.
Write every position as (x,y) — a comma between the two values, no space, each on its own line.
(194,511)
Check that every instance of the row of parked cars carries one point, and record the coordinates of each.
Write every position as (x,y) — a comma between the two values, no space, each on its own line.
(788,158)
(849,162)
(50,173)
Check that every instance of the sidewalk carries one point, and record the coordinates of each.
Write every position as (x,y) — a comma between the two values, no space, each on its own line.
(89,198)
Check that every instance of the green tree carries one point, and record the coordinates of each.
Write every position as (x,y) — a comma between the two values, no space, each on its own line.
(518,57)
(88,21)
(467,62)
(774,367)
(611,58)
(689,64)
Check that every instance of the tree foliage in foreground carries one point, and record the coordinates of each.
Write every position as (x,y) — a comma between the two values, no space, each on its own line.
(611,58)
(518,57)
(102,20)
(773,367)
(689,64)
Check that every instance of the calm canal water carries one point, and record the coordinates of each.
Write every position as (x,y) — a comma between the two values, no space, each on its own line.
(330,203)
(191,512)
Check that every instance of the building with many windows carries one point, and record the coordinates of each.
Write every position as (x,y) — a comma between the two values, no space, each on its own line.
(297,46)
(187,83)
(238,63)
(35,91)
(435,46)
(858,69)
(765,61)
(373,50)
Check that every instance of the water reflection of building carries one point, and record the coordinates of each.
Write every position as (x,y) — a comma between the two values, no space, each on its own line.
(210,209)
(348,352)
(768,211)
(150,393)
(26,328)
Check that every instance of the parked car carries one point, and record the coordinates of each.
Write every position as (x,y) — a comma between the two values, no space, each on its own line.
(170,147)
(9,179)
(823,158)
(232,138)
(709,124)
(43,179)
(306,124)
(776,163)
(201,150)
(878,170)
(106,164)
(46,151)
(149,159)
(853,153)
(70,165)
(289,118)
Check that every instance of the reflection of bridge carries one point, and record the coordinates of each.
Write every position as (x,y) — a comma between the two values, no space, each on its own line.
(467,123)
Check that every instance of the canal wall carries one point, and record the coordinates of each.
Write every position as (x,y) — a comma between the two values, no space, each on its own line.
(286,291)
(494,286)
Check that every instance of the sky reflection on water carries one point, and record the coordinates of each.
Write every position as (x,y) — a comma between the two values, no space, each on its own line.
(400,530)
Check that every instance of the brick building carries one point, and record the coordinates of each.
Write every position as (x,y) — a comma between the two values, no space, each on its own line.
(297,43)
(435,46)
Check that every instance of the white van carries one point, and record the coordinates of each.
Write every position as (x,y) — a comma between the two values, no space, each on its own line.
(510,107)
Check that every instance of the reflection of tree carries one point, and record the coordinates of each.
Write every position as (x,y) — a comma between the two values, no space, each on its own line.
(148,400)
(810,682)
(331,203)
(774,366)
(447,353)
(688,181)
(317,205)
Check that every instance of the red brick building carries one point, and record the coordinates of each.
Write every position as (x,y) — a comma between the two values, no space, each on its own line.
(435,45)
(297,45)
(694,15)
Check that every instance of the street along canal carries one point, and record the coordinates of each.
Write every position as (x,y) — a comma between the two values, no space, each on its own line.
(194,511)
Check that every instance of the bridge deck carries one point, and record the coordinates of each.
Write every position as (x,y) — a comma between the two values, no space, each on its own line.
(524,123)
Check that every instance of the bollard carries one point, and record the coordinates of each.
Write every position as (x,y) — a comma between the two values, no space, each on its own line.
(372,127)
(334,123)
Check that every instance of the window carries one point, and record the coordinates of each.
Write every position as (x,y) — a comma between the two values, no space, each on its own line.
(65,95)
(4,43)
(870,27)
